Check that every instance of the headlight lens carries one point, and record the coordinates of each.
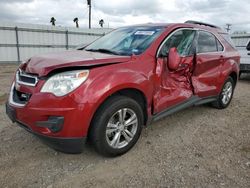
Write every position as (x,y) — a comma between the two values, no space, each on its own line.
(63,83)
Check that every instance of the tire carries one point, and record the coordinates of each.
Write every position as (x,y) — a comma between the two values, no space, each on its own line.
(226,94)
(109,123)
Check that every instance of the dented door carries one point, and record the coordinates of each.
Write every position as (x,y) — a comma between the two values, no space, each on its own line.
(174,86)
(207,64)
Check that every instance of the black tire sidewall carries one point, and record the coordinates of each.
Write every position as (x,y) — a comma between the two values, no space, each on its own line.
(102,117)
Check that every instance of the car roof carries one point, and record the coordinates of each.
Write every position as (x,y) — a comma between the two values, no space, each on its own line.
(192,24)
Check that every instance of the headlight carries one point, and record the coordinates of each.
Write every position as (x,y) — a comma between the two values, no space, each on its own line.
(63,83)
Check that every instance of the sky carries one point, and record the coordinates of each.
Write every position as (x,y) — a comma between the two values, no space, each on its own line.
(117,13)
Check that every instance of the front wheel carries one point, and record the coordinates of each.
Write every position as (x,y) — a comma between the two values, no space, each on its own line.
(116,126)
(226,94)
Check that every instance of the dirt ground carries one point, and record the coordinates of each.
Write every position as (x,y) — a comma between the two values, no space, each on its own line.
(197,147)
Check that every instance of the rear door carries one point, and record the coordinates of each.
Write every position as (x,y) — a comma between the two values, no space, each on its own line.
(209,57)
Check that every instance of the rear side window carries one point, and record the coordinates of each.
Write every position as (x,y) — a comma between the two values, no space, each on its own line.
(219,46)
(228,39)
(206,42)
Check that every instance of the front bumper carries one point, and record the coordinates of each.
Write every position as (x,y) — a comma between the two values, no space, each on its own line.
(66,145)
(42,110)
(60,122)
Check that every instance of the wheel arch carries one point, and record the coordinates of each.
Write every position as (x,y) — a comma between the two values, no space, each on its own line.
(234,76)
(133,93)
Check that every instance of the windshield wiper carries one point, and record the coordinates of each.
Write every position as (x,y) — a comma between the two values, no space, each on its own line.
(102,50)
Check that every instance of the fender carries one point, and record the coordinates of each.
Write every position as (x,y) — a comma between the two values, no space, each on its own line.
(227,68)
(104,84)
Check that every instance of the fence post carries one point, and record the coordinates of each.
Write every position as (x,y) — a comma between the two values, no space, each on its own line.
(67,39)
(17,45)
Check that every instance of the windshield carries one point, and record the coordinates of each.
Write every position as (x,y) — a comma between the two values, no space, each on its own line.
(126,41)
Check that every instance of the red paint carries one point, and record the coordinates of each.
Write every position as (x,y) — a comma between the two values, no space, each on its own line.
(162,86)
(46,63)
(174,59)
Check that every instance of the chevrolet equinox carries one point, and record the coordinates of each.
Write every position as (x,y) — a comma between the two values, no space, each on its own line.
(108,90)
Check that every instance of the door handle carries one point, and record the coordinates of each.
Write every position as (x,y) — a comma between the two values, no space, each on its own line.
(221,58)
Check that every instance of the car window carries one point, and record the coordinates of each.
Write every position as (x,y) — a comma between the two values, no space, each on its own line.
(219,46)
(182,40)
(228,39)
(206,42)
(128,40)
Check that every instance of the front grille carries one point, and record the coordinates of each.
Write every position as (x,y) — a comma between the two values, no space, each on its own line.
(20,97)
(26,79)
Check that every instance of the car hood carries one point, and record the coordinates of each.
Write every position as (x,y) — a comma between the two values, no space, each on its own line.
(43,64)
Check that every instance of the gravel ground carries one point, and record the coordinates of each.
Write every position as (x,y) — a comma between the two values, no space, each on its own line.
(197,147)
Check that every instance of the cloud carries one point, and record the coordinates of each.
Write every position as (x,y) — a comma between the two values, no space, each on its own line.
(202,5)
(125,7)
(15,1)
(126,12)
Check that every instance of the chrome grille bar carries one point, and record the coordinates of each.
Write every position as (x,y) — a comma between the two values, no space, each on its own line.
(26,79)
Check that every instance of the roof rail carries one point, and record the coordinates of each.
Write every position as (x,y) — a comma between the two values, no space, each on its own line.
(202,23)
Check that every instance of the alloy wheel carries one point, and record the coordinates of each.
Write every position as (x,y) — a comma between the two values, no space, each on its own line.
(121,128)
(227,93)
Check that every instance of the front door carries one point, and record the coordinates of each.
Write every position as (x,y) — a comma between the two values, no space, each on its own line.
(174,86)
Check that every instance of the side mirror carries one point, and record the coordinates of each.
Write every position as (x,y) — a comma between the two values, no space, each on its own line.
(174,59)
(248,46)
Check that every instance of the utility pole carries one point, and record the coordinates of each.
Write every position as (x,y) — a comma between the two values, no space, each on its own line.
(228,27)
(89,4)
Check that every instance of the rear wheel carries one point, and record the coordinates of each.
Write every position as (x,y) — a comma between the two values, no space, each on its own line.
(226,94)
(116,126)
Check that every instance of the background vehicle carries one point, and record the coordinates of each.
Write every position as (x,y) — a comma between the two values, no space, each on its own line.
(242,44)
(128,78)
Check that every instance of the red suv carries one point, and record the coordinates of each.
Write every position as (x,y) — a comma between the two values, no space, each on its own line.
(108,90)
